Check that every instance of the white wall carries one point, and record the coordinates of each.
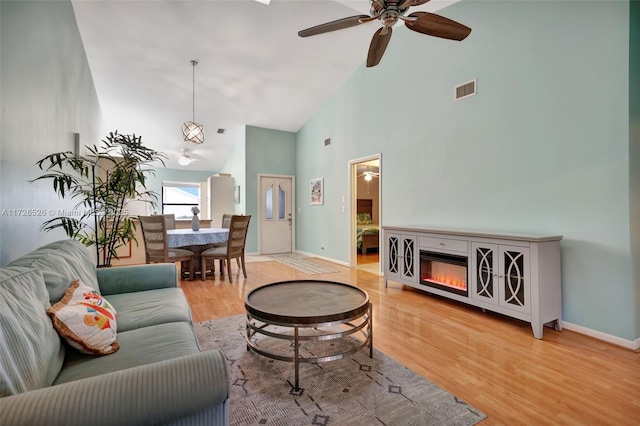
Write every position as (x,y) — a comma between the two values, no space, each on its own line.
(47,96)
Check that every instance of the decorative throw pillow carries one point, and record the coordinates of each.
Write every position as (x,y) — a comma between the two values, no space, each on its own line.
(364,219)
(85,320)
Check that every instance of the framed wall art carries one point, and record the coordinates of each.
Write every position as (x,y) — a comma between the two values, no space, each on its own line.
(316,187)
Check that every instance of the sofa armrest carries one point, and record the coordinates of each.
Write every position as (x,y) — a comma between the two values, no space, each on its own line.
(127,279)
(157,393)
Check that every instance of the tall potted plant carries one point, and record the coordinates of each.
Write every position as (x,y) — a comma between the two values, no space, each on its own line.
(102,181)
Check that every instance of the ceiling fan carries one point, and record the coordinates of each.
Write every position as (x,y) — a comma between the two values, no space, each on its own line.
(388,12)
(368,175)
(185,159)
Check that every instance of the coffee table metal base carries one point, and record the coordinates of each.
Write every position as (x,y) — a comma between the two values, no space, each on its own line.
(362,323)
(309,310)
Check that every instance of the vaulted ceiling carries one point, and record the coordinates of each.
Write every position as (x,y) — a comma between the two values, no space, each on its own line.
(253,69)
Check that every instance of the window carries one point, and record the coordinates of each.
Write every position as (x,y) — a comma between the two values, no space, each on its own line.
(179,197)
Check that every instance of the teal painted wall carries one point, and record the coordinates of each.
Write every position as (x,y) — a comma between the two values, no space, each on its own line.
(634,149)
(267,151)
(542,148)
(47,96)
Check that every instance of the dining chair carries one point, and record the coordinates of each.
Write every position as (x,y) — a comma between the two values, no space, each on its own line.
(226,222)
(156,250)
(238,227)
(170,220)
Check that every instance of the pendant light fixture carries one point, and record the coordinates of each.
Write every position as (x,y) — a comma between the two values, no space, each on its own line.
(192,131)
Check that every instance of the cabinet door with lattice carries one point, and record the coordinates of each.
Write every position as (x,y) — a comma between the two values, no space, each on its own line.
(514,278)
(401,261)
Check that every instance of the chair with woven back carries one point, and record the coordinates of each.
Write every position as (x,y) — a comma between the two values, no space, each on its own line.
(156,249)
(235,248)
(226,222)
(170,220)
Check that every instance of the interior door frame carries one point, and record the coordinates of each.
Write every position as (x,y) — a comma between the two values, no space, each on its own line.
(353,195)
(293,207)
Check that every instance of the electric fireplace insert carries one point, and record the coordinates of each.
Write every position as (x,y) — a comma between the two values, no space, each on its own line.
(444,271)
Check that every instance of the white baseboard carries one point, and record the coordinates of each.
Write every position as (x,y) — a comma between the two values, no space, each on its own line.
(339,262)
(634,345)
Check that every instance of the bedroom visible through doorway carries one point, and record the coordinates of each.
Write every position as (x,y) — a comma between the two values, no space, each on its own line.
(366,199)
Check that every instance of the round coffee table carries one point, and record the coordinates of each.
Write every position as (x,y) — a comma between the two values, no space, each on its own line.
(280,310)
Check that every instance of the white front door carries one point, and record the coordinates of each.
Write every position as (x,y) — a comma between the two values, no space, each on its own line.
(276,216)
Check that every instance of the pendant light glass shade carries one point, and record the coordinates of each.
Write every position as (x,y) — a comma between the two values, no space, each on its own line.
(191,131)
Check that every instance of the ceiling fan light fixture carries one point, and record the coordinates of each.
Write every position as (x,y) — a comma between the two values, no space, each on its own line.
(192,131)
(367,176)
(184,160)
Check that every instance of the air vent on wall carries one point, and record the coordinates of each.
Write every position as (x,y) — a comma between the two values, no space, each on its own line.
(327,142)
(465,90)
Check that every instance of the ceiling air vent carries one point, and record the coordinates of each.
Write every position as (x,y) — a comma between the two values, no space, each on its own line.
(220,131)
(327,142)
(465,90)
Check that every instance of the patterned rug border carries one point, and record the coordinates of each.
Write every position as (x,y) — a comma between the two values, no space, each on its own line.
(301,263)
(354,391)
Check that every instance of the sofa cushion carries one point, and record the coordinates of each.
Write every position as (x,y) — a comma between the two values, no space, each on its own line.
(86,320)
(32,353)
(61,262)
(151,307)
(137,347)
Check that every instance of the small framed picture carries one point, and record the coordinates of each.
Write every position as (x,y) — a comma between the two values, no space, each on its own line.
(317,191)
(236,196)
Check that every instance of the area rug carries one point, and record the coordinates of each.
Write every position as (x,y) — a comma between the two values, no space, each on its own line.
(302,263)
(353,391)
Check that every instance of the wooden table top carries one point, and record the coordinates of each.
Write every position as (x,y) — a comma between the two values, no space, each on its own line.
(306,302)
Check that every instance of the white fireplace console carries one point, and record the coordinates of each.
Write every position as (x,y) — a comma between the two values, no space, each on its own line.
(517,275)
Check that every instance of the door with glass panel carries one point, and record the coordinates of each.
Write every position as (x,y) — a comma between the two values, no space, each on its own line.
(276,215)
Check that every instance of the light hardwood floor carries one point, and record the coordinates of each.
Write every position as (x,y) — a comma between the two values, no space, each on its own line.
(492,362)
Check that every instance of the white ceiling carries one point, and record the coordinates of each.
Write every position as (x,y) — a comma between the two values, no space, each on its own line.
(253,68)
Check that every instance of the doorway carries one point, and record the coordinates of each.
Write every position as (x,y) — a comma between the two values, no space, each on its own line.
(365,175)
(276,226)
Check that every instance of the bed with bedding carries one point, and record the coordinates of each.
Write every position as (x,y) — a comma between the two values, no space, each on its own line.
(367,232)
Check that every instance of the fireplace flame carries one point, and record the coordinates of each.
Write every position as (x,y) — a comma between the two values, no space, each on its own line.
(445,274)
(449,281)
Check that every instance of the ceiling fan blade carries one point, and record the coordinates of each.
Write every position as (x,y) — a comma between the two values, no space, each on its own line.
(338,24)
(438,26)
(378,45)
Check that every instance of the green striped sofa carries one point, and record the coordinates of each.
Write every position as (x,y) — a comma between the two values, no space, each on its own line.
(158,376)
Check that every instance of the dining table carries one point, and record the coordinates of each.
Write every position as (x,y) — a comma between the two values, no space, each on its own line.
(196,241)
(180,238)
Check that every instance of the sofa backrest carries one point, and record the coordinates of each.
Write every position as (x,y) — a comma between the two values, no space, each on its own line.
(31,353)
(60,263)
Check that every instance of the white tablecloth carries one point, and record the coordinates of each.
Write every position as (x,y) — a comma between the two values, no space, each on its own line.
(187,237)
